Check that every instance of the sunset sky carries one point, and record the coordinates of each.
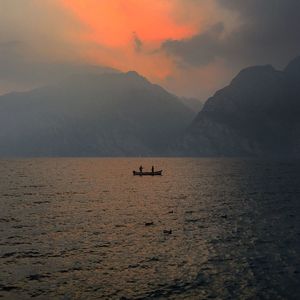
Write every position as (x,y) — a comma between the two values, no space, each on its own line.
(190,47)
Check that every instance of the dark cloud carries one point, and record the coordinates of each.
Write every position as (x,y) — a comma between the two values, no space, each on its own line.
(268,32)
(138,44)
(200,49)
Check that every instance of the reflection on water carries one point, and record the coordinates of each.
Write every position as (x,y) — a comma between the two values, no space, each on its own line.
(208,228)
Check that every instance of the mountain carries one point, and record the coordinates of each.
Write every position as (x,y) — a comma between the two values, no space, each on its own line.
(256,115)
(192,103)
(113,114)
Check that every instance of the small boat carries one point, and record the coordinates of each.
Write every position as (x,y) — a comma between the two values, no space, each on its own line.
(156,173)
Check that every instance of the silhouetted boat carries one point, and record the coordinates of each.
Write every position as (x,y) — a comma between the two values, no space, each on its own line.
(156,173)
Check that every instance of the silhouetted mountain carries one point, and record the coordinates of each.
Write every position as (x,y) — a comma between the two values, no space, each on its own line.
(91,115)
(293,68)
(258,114)
(193,103)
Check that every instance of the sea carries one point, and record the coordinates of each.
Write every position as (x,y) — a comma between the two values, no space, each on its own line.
(86,228)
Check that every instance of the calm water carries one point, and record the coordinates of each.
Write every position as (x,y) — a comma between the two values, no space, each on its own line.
(75,229)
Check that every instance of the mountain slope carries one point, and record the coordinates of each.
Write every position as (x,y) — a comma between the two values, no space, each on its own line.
(256,115)
(113,114)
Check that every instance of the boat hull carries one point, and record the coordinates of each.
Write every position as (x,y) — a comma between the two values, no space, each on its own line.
(156,173)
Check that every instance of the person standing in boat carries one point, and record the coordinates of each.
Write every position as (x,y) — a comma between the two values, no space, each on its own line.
(152,169)
(141,168)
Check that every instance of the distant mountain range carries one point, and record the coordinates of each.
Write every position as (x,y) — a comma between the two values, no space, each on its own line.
(114,114)
(123,114)
(193,103)
(258,114)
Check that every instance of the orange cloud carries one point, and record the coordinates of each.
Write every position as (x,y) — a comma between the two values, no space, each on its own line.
(111,23)
(113,27)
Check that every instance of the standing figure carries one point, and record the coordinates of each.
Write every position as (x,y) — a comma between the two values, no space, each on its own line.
(141,168)
(152,169)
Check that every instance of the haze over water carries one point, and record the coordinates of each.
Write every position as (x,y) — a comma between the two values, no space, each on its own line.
(76,229)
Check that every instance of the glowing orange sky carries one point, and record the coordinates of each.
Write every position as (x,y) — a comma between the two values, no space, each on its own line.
(113,25)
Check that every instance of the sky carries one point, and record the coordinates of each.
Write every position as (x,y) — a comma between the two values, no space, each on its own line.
(190,47)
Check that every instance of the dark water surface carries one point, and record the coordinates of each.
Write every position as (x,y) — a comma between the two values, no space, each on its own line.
(75,229)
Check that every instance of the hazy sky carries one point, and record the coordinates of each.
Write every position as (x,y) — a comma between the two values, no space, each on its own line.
(191,47)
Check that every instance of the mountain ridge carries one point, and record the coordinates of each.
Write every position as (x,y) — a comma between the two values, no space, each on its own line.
(257,114)
(114,114)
